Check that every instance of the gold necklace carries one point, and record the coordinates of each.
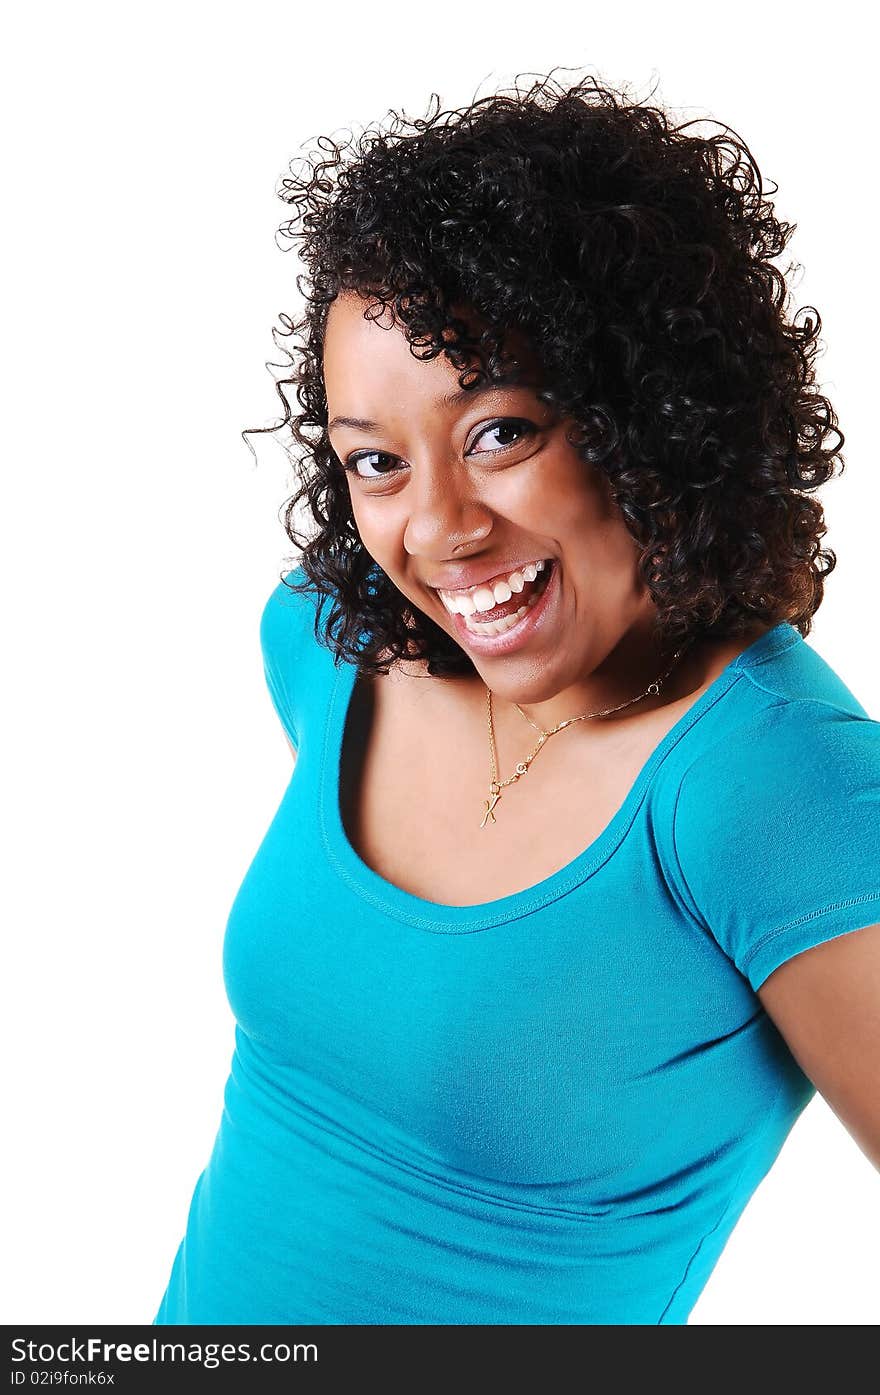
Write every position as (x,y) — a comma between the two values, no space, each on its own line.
(496,785)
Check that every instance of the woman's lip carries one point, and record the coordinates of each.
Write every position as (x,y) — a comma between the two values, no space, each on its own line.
(510,640)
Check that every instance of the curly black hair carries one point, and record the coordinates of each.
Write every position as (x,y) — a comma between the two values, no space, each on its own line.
(635,256)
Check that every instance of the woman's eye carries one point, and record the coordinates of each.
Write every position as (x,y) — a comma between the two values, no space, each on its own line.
(502,431)
(354,463)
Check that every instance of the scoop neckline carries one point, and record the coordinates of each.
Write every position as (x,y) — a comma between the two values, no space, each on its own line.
(439,918)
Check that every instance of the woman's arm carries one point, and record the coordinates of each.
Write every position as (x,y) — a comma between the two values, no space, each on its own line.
(826,1004)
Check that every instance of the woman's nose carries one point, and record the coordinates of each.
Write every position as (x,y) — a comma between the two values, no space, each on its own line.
(444,513)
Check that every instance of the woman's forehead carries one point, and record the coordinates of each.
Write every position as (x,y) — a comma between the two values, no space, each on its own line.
(375,344)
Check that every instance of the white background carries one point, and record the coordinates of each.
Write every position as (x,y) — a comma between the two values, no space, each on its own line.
(142,758)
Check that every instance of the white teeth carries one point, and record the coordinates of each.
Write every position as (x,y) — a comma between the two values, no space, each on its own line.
(484,598)
(464,603)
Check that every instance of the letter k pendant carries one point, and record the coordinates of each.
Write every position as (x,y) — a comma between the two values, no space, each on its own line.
(494,796)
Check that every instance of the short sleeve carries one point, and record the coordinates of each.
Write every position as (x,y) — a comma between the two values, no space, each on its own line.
(776,833)
(278,627)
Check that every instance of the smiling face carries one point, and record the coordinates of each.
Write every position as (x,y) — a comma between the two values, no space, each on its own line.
(455,493)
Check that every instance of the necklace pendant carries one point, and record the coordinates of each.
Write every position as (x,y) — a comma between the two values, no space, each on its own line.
(494,796)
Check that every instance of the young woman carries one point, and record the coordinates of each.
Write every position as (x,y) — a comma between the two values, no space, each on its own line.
(571,903)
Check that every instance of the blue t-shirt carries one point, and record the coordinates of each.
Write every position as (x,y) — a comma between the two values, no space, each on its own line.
(548,1108)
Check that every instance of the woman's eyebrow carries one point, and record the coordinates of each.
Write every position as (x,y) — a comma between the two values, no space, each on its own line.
(449,399)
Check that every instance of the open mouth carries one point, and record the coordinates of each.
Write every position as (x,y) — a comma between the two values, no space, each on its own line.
(495,616)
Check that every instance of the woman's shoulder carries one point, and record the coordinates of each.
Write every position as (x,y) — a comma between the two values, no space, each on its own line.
(288,613)
(787,668)
(297,664)
(293,623)
(784,712)
(776,818)
(790,722)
